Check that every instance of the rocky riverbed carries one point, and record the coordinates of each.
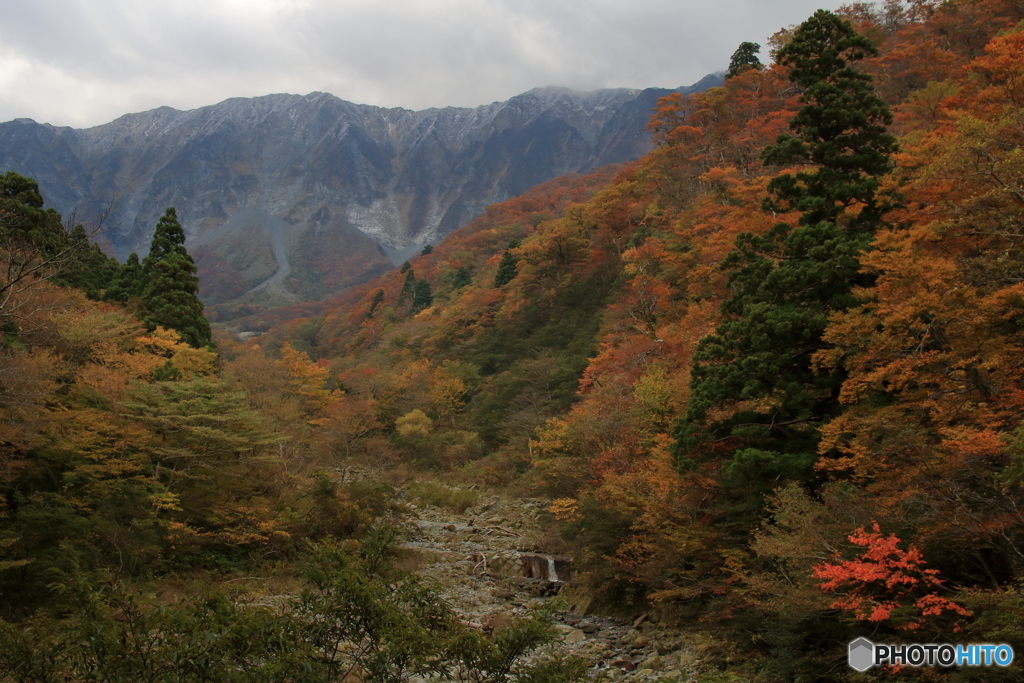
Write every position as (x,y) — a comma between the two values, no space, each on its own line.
(488,565)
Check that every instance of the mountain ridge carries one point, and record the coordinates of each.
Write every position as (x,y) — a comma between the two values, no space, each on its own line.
(368,184)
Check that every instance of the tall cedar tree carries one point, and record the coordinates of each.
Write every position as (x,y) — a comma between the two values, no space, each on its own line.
(787,282)
(170,295)
(127,283)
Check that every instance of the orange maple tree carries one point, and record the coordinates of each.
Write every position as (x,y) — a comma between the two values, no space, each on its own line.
(884,579)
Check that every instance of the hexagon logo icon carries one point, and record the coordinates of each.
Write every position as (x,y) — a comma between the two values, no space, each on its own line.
(861,654)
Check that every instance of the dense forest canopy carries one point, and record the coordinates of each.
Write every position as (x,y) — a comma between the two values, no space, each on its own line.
(769,375)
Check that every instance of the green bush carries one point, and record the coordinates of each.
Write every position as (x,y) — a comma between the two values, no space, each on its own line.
(358,614)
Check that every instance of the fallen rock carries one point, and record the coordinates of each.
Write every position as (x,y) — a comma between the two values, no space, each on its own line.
(654,663)
(575,636)
(581,606)
(498,621)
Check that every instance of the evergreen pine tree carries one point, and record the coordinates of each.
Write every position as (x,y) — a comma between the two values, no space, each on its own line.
(168,238)
(840,132)
(407,287)
(462,278)
(23,220)
(170,295)
(378,299)
(787,282)
(422,298)
(91,270)
(36,247)
(127,283)
(507,269)
(744,58)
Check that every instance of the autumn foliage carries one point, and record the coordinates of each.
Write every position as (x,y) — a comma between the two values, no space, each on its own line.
(883,579)
(568,347)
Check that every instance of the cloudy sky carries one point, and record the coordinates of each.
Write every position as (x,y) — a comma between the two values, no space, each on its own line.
(86,62)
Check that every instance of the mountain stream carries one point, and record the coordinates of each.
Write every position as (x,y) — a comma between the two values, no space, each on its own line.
(489,564)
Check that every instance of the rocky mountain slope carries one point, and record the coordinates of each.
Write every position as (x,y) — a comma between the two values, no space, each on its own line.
(289,197)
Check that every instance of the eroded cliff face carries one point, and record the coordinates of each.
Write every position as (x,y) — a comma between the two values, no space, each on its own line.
(295,197)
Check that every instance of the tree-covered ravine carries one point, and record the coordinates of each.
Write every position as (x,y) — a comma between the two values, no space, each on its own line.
(708,416)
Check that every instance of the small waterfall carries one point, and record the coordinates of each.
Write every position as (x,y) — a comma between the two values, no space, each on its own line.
(552,574)
(541,566)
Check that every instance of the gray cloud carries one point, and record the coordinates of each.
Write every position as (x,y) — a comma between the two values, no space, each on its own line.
(85,62)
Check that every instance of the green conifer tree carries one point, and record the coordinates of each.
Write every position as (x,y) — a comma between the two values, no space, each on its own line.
(127,283)
(36,247)
(407,287)
(91,270)
(462,278)
(170,294)
(786,283)
(422,298)
(378,299)
(24,221)
(507,269)
(744,58)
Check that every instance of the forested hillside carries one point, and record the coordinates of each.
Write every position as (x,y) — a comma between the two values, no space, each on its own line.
(798,431)
(769,376)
